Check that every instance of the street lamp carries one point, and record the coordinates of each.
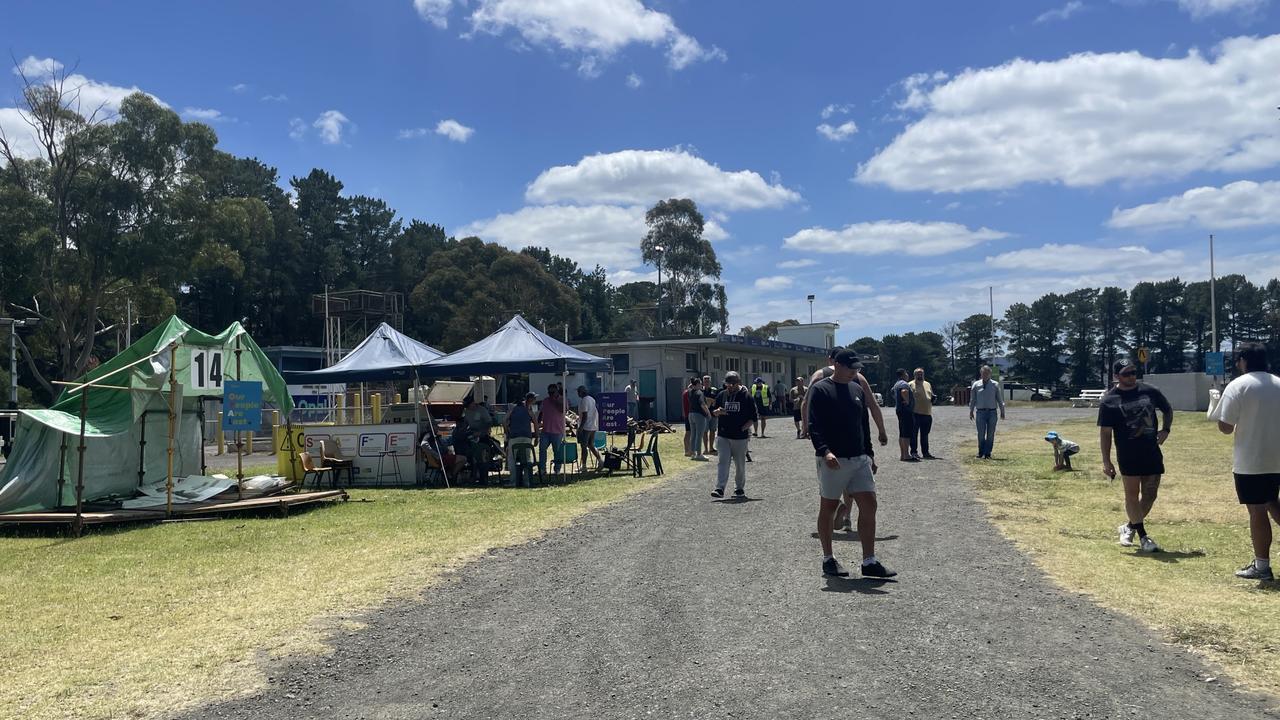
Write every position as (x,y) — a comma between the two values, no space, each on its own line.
(658,250)
(811,309)
(13,324)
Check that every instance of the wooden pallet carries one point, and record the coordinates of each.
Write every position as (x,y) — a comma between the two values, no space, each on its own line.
(208,508)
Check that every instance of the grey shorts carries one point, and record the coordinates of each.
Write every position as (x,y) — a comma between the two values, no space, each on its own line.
(853,476)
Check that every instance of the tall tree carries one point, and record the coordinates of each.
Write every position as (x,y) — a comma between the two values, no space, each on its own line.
(975,343)
(323,216)
(1144,313)
(1112,323)
(118,197)
(769,330)
(1017,331)
(1243,313)
(1081,335)
(1044,341)
(688,300)
(1169,344)
(373,227)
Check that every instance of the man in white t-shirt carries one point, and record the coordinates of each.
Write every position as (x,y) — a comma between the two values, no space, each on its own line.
(588,424)
(1250,408)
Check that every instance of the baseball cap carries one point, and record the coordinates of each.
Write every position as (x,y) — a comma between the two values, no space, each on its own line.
(849,359)
(1122,364)
(1051,435)
(531,395)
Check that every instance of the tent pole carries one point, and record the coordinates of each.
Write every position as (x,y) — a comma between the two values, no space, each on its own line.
(173,420)
(239,435)
(84,412)
(431,424)
(62,467)
(142,452)
(204,469)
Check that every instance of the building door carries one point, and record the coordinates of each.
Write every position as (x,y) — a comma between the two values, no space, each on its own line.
(675,399)
(648,392)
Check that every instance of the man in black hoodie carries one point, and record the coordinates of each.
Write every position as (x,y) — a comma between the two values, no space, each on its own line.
(841,437)
(737,413)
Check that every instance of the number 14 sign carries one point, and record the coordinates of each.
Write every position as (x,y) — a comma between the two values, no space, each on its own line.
(206,368)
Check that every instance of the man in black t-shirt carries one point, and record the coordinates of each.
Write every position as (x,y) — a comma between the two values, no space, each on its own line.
(1127,415)
(841,437)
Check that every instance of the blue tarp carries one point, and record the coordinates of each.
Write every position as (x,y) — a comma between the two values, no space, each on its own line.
(516,347)
(386,354)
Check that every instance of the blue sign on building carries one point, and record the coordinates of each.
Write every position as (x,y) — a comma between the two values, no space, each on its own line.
(1214,363)
(242,406)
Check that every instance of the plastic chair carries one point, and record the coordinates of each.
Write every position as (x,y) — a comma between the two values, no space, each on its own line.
(638,457)
(309,468)
(337,463)
(524,460)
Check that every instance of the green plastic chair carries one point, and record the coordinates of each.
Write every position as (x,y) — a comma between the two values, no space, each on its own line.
(638,457)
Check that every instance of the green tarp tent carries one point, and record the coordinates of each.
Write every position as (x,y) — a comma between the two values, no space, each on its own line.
(127,430)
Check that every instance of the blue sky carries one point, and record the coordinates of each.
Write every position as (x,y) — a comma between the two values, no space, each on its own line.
(895,159)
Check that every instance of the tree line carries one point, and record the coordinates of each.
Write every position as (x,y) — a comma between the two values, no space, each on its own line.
(1068,342)
(139,215)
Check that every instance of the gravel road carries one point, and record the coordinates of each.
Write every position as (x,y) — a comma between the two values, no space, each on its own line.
(671,605)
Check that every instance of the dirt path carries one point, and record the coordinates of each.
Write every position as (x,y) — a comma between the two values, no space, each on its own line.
(672,605)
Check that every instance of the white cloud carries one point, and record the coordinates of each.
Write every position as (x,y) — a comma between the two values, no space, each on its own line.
(594,29)
(239,88)
(603,234)
(833,109)
(411,133)
(1062,13)
(1239,204)
(622,277)
(643,177)
(917,88)
(841,132)
(850,288)
(297,128)
(35,68)
(208,115)
(775,282)
(796,264)
(888,236)
(1079,259)
(454,130)
(275,98)
(435,12)
(1200,9)
(331,124)
(1089,119)
(634,81)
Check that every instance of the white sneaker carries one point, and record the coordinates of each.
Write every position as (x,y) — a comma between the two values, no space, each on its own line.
(1149,545)
(1126,535)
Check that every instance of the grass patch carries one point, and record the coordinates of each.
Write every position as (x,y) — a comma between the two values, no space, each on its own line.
(144,621)
(1067,522)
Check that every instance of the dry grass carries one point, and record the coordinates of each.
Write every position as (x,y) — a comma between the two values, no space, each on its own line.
(1067,522)
(142,622)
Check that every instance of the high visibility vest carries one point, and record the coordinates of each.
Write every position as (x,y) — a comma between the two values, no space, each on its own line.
(761,393)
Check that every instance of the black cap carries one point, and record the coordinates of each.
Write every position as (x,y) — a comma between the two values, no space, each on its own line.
(1122,364)
(849,359)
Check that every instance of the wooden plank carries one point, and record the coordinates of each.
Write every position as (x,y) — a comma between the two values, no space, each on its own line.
(141,514)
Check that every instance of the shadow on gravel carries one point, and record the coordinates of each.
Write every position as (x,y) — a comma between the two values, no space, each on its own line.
(850,537)
(736,501)
(863,586)
(1168,556)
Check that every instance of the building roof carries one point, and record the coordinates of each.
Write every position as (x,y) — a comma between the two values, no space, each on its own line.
(742,341)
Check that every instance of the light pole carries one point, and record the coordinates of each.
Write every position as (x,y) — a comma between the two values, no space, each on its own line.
(658,250)
(1213,299)
(811,309)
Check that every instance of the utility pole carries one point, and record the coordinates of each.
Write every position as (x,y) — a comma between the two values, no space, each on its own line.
(1213,299)
(811,309)
(991,299)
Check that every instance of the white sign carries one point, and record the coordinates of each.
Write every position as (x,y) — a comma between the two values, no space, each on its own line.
(376,451)
(206,368)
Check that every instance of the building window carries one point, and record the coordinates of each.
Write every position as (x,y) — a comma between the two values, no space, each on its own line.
(715,362)
(732,364)
(691,362)
(755,365)
(621,362)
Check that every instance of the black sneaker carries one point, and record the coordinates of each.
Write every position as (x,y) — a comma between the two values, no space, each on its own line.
(717,493)
(1251,572)
(740,493)
(876,570)
(834,569)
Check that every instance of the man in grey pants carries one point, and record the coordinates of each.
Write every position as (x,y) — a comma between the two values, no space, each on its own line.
(736,410)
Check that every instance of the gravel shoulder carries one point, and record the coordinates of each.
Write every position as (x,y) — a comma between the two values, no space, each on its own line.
(670,604)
